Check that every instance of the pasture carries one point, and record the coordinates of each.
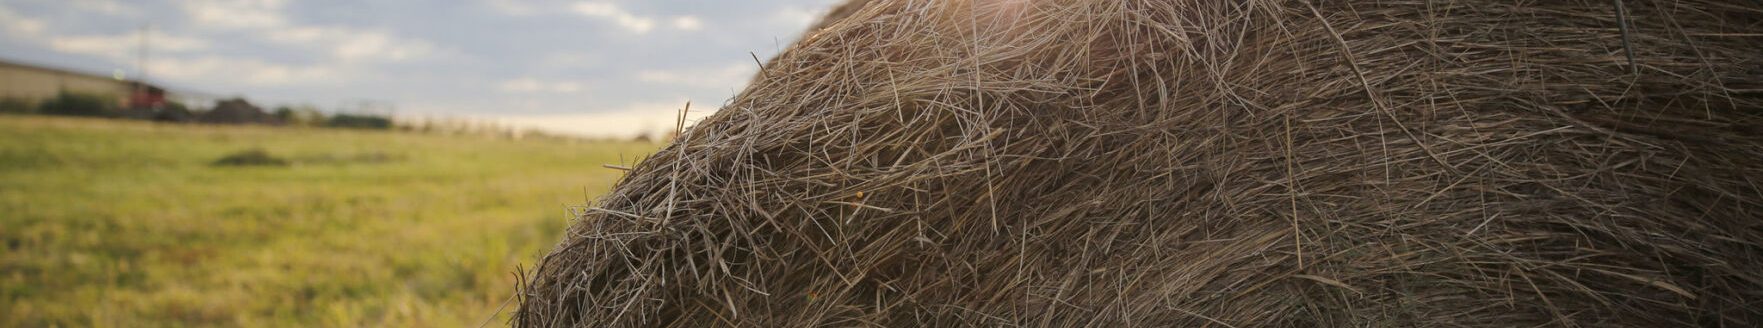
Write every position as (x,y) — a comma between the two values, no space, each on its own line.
(122,223)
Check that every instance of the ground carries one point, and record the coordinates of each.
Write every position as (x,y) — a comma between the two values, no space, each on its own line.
(121,223)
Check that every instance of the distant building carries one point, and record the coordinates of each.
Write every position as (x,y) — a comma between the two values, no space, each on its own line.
(35,83)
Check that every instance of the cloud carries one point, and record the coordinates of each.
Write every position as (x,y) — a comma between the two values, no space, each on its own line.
(304,51)
(124,46)
(628,121)
(175,55)
(235,13)
(687,23)
(353,45)
(607,10)
(796,16)
(731,76)
(18,25)
(629,21)
(530,85)
(265,18)
(107,7)
(512,7)
(602,10)
(217,70)
(571,60)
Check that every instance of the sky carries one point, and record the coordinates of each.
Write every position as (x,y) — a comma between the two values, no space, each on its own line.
(604,68)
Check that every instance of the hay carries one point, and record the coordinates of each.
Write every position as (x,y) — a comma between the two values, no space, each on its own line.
(1193,163)
(251,157)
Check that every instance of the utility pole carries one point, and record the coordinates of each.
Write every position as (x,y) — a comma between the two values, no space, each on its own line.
(141,66)
(144,95)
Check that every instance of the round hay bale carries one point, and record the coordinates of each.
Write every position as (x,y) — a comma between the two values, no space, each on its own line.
(1200,163)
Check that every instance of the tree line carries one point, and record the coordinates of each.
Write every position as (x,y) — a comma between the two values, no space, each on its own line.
(226,111)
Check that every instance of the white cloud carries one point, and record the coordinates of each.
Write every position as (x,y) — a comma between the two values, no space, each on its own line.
(276,48)
(531,85)
(107,7)
(117,47)
(124,46)
(216,70)
(607,10)
(629,121)
(731,76)
(687,23)
(599,10)
(235,13)
(176,55)
(18,25)
(265,18)
(796,16)
(512,7)
(352,45)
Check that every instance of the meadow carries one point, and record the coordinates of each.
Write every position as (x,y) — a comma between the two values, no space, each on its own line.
(111,223)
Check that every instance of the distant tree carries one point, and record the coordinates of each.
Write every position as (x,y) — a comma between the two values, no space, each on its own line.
(644,135)
(283,113)
(301,115)
(360,121)
(15,105)
(77,104)
(236,111)
(174,112)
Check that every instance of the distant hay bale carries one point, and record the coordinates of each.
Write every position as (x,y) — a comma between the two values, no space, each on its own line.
(1193,163)
(251,157)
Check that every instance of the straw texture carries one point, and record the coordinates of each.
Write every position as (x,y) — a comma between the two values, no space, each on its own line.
(1204,163)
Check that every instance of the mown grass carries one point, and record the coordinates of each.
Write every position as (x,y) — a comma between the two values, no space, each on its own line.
(131,224)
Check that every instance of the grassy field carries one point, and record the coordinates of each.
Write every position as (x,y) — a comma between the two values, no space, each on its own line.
(119,223)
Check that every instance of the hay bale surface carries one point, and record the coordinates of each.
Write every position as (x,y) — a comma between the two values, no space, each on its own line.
(1195,163)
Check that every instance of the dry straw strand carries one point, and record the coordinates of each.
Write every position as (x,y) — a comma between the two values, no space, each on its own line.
(1202,163)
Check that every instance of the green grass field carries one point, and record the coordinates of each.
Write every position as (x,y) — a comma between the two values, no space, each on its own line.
(130,224)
